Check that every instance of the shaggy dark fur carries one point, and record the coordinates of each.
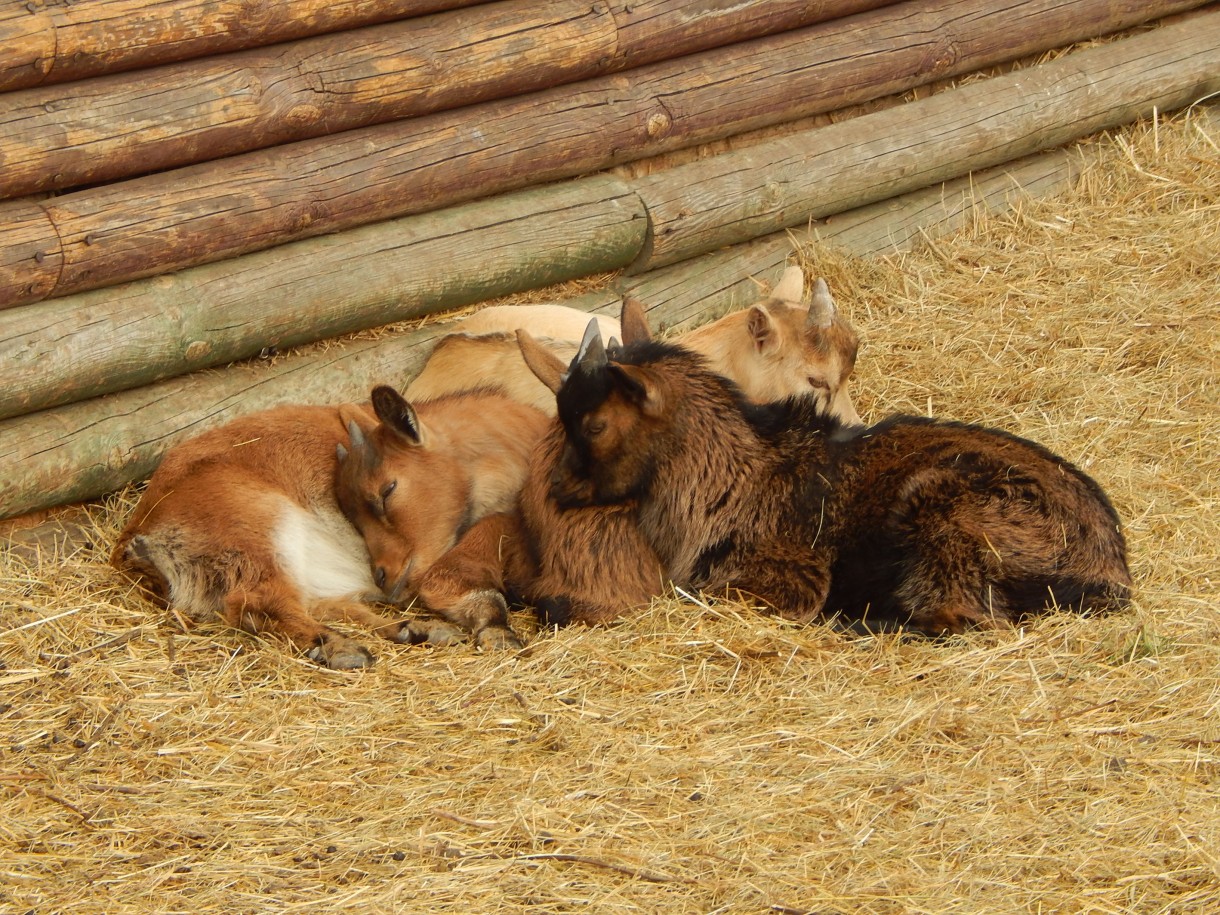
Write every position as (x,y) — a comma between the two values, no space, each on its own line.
(913,522)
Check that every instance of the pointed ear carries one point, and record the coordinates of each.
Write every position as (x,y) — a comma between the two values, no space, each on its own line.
(762,330)
(635,324)
(542,361)
(397,415)
(791,286)
(640,386)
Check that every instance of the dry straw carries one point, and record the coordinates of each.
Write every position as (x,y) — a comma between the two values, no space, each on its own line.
(702,757)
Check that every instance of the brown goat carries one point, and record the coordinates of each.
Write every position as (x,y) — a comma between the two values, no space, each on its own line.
(917,523)
(589,564)
(778,347)
(577,563)
(413,490)
(242,523)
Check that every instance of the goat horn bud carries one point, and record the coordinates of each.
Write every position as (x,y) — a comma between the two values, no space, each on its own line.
(592,354)
(822,307)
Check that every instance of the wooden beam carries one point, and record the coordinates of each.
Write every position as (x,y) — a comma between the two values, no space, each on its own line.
(694,291)
(211,211)
(108,340)
(86,449)
(730,198)
(231,103)
(44,42)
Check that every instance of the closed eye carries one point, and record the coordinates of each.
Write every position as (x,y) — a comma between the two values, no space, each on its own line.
(818,384)
(387,491)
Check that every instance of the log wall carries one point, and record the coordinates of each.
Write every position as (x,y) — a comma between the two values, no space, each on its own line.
(117,293)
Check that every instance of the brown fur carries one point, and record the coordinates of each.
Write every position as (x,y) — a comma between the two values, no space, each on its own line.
(782,345)
(589,564)
(414,489)
(929,525)
(578,564)
(463,362)
(242,524)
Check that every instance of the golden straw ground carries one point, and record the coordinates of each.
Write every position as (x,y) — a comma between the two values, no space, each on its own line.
(711,760)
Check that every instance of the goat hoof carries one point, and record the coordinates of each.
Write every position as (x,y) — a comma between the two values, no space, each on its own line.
(341,655)
(434,632)
(497,638)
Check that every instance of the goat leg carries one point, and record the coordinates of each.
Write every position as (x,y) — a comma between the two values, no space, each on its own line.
(465,586)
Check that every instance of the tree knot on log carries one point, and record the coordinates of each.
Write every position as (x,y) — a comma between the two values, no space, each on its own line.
(659,124)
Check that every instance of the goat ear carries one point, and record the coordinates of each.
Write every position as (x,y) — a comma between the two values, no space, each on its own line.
(639,385)
(791,286)
(822,306)
(542,361)
(397,415)
(635,324)
(763,331)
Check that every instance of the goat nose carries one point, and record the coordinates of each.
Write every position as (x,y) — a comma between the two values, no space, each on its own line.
(379,576)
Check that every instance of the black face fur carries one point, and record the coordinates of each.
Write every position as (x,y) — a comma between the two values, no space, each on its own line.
(604,412)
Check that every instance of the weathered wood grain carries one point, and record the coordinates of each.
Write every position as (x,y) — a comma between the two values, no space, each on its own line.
(85,449)
(727,199)
(215,210)
(655,30)
(89,448)
(174,115)
(28,240)
(692,292)
(44,42)
(108,340)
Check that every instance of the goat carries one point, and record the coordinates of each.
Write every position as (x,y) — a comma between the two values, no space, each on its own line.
(918,523)
(780,347)
(777,347)
(556,322)
(242,522)
(482,352)
(414,490)
(589,564)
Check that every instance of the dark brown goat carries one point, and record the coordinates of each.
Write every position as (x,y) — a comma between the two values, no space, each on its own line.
(575,563)
(925,524)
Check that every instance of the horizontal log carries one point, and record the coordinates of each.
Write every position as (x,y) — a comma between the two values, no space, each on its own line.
(108,340)
(220,209)
(90,448)
(728,199)
(46,42)
(654,30)
(694,291)
(86,449)
(176,115)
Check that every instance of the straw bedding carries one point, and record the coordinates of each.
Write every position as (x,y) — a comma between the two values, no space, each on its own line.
(700,756)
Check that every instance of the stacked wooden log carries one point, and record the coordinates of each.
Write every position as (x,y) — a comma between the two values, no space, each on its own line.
(217,195)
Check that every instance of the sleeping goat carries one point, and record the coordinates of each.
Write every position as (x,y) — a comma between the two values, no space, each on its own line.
(925,524)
